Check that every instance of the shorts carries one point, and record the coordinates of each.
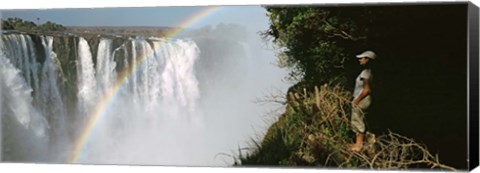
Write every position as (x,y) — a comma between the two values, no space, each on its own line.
(358,115)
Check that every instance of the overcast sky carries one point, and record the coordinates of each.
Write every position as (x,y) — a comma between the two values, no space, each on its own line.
(252,17)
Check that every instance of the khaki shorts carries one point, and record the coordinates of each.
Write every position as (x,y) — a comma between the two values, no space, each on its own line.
(358,115)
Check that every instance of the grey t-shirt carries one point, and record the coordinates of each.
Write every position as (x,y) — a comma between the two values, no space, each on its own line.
(365,74)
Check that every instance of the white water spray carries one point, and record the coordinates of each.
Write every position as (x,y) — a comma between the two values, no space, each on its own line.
(105,68)
(25,129)
(161,115)
(50,102)
(163,119)
(87,84)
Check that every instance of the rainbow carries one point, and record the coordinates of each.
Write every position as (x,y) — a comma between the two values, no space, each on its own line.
(100,109)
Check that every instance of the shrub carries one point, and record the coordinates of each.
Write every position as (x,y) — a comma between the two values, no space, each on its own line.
(315,131)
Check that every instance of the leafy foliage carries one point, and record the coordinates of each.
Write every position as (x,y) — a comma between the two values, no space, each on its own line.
(28,26)
(317,43)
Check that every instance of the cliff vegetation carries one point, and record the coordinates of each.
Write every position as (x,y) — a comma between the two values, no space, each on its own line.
(315,131)
(318,45)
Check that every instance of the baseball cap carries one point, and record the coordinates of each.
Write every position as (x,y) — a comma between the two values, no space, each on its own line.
(367,54)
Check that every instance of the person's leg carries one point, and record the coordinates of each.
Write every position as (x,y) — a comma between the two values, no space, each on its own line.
(358,146)
(358,126)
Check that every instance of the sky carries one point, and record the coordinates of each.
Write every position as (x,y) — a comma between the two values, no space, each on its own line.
(252,17)
(126,13)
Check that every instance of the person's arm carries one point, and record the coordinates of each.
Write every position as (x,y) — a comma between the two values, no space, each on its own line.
(364,93)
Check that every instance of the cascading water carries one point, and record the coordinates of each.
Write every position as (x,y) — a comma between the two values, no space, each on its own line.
(87,84)
(24,128)
(105,66)
(50,102)
(162,113)
(152,115)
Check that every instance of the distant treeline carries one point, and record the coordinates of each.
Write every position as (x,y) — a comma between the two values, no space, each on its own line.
(120,30)
(28,26)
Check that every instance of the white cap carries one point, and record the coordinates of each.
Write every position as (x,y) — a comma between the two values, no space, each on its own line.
(367,54)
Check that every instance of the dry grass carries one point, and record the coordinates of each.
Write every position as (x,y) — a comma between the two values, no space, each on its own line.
(315,131)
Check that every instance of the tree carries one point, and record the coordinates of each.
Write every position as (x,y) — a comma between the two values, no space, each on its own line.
(50,26)
(421,49)
(316,43)
(21,25)
(6,25)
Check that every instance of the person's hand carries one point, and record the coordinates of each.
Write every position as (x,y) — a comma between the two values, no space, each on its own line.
(356,102)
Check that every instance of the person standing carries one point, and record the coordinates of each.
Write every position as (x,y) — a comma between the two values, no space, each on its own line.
(361,98)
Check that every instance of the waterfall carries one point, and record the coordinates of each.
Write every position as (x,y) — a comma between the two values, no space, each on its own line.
(180,83)
(87,84)
(159,113)
(105,69)
(133,79)
(142,77)
(19,116)
(49,99)
(16,91)
(159,97)
(21,46)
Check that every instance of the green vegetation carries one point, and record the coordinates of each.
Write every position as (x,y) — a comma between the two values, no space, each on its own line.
(309,130)
(318,45)
(28,26)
